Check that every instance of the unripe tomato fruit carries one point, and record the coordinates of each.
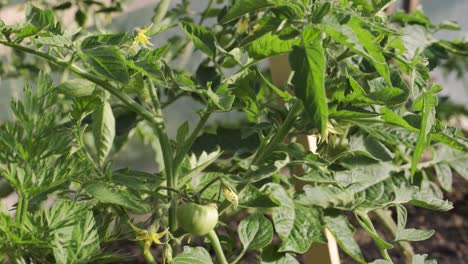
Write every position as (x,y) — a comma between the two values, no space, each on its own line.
(197,219)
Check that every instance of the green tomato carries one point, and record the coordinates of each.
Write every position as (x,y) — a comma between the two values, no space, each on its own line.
(197,219)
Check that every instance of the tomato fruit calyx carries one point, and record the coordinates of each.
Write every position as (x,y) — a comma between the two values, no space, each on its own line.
(197,219)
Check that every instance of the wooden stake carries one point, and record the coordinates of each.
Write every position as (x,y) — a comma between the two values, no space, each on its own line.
(410,5)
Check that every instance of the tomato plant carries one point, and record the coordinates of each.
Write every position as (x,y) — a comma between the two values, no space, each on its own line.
(359,92)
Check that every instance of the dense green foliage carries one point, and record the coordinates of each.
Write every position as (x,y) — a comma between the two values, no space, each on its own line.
(360,87)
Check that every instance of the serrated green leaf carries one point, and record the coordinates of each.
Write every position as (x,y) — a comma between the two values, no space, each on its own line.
(270,45)
(108,62)
(182,132)
(327,197)
(370,147)
(95,41)
(201,37)
(363,173)
(309,65)
(103,131)
(193,255)
(108,193)
(427,199)
(343,233)
(388,96)
(411,234)
(306,228)
(255,231)
(76,88)
(39,18)
(454,158)
(136,180)
(250,196)
(355,36)
(242,7)
(270,255)
(422,259)
(56,41)
(222,97)
(298,226)
(444,175)
(368,41)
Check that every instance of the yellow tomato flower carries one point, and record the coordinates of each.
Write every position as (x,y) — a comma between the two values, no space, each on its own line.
(243,25)
(142,38)
(230,195)
(148,237)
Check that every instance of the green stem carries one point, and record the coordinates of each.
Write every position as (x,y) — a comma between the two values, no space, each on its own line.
(384,217)
(280,135)
(208,185)
(161,11)
(263,152)
(190,140)
(217,247)
(21,209)
(167,157)
(367,225)
(239,257)
(147,255)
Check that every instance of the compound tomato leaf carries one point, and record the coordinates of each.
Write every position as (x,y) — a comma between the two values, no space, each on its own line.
(309,65)
(427,199)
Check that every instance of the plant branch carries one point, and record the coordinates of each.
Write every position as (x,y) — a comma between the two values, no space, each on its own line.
(266,150)
(240,256)
(21,209)
(167,155)
(280,135)
(147,255)
(190,140)
(161,11)
(208,185)
(385,219)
